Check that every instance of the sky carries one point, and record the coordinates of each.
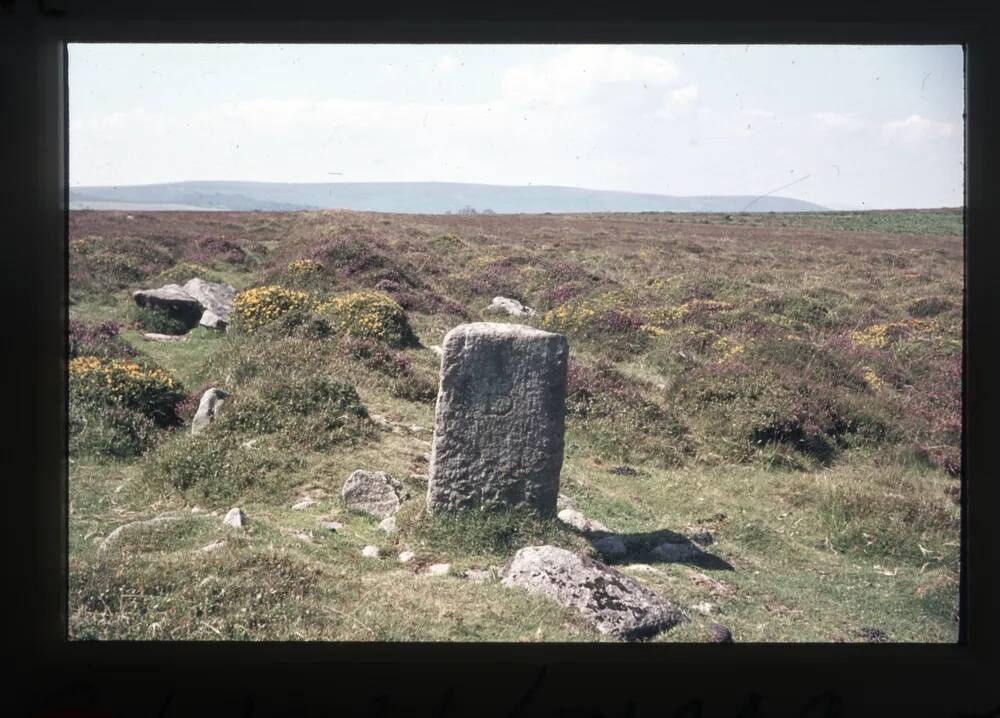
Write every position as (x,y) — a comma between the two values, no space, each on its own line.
(845,126)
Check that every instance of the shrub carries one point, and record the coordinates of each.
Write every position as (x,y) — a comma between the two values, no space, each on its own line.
(209,249)
(111,431)
(256,307)
(185,271)
(929,307)
(606,319)
(369,315)
(98,340)
(114,382)
(419,389)
(377,357)
(304,267)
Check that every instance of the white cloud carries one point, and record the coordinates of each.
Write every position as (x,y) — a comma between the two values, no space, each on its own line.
(838,121)
(915,129)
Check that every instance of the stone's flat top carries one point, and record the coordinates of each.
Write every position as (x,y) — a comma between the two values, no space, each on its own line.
(497,329)
(172,292)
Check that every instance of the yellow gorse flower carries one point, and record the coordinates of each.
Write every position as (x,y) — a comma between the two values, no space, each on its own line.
(303,267)
(257,306)
(368,315)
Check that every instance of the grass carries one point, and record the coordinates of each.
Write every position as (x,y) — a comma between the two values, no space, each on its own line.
(722,354)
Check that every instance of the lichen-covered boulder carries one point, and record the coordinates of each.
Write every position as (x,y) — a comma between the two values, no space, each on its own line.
(172,299)
(373,492)
(214,297)
(500,421)
(615,604)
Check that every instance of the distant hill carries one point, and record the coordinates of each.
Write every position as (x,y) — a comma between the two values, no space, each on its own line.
(410,198)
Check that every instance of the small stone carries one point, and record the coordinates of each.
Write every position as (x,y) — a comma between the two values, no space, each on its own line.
(249,443)
(331,525)
(197,510)
(704,608)
(406,556)
(438,569)
(154,337)
(720,634)
(671,552)
(577,520)
(611,547)
(437,350)
(371,551)
(212,320)
(304,504)
(388,524)
(478,575)
(373,492)
(235,518)
(303,536)
(381,422)
(414,429)
(641,568)
(213,547)
(509,307)
(564,502)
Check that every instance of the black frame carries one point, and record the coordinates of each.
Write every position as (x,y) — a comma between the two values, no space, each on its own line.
(153,678)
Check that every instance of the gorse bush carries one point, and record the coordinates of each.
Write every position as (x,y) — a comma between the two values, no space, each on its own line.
(606,319)
(114,382)
(368,315)
(304,267)
(113,431)
(259,306)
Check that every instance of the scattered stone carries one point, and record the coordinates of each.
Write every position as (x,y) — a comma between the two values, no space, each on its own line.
(154,337)
(564,502)
(172,299)
(249,443)
(381,422)
(135,526)
(437,350)
(703,537)
(235,518)
(500,419)
(304,504)
(672,552)
(611,547)
(211,401)
(624,471)
(438,569)
(213,297)
(510,307)
(577,520)
(213,547)
(303,536)
(614,603)
(704,608)
(717,588)
(406,556)
(197,510)
(720,634)
(331,525)
(414,429)
(478,575)
(373,492)
(371,551)
(212,320)
(388,524)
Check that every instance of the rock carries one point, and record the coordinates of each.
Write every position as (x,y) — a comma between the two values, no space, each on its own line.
(478,575)
(133,527)
(208,407)
(611,547)
(406,556)
(388,524)
(331,525)
(304,504)
(213,547)
(197,510)
(371,551)
(577,520)
(642,568)
(720,634)
(249,443)
(235,518)
(414,429)
(373,492)
(671,552)
(154,337)
(172,299)
(703,537)
(615,604)
(510,307)
(437,350)
(438,569)
(380,421)
(564,502)
(500,419)
(213,297)
(704,608)
(212,320)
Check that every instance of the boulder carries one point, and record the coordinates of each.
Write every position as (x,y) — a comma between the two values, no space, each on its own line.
(235,518)
(510,307)
(500,419)
(615,604)
(212,320)
(172,299)
(373,492)
(213,297)
(208,408)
